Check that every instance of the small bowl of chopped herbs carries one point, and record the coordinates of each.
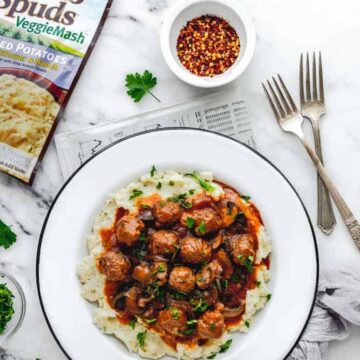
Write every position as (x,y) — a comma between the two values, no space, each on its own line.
(12,306)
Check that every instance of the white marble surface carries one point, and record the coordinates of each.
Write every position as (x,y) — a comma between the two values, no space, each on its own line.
(130,42)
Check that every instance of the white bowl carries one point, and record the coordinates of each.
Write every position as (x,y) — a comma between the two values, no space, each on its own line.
(229,10)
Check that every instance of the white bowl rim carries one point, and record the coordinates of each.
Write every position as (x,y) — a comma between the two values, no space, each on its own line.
(176,129)
(225,78)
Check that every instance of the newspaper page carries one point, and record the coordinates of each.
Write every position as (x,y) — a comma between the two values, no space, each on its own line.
(224,112)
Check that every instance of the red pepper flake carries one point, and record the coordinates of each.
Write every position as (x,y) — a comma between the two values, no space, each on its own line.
(208,46)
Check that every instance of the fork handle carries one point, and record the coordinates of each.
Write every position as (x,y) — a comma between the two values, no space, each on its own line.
(351,223)
(326,218)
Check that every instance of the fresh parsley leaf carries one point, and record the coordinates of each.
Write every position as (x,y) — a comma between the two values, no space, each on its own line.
(158,186)
(153,171)
(212,356)
(200,307)
(257,283)
(6,306)
(181,198)
(246,197)
(225,347)
(135,193)
(132,323)
(160,269)
(190,222)
(141,336)
(138,85)
(150,321)
(203,183)
(202,228)
(192,191)
(247,324)
(177,295)
(7,236)
(268,297)
(212,327)
(171,183)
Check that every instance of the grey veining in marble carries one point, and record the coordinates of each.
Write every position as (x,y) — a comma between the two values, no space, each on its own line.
(130,42)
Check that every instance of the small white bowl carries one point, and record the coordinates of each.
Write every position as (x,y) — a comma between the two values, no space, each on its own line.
(229,10)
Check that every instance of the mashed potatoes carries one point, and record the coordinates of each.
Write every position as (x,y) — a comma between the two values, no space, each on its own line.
(27,113)
(93,281)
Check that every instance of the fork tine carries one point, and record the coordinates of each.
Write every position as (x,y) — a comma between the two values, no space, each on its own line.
(273,107)
(321,81)
(277,101)
(301,75)
(315,93)
(284,102)
(289,98)
(308,92)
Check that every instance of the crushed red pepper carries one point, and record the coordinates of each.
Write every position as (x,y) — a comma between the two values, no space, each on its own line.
(208,46)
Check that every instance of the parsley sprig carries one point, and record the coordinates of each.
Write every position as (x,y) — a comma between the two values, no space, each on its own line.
(7,236)
(138,85)
(6,306)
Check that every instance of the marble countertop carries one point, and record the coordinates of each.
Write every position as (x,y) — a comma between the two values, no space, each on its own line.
(130,42)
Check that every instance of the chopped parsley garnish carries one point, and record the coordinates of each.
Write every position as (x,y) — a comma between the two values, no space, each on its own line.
(135,193)
(145,206)
(142,237)
(249,263)
(188,331)
(150,321)
(181,198)
(158,185)
(202,228)
(200,307)
(247,324)
(132,323)
(160,269)
(268,297)
(7,236)
(245,197)
(225,347)
(141,336)
(191,322)
(224,283)
(203,183)
(6,306)
(153,171)
(156,291)
(175,313)
(192,191)
(190,222)
(139,251)
(212,327)
(178,295)
(171,183)
(257,283)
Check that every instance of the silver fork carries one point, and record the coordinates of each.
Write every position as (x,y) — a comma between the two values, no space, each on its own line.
(290,120)
(313,108)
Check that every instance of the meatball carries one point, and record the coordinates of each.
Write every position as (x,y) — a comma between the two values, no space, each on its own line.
(206,220)
(208,274)
(210,325)
(241,247)
(166,212)
(201,200)
(182,279)
(132,301)
(228,211)
(172,321)
(159,272)
(142,273)
(163,242)
(194,250)
(128,229)
(114,265)
(222,257)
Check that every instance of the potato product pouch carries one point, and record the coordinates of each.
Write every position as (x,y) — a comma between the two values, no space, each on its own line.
(44,46)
